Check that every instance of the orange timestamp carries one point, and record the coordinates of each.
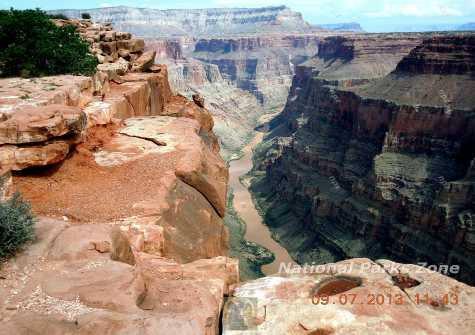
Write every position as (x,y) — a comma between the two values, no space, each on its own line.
(386,299)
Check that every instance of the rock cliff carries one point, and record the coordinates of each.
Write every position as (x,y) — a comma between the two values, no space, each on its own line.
(262,65)
(130,190)
(373,153)
(148,22)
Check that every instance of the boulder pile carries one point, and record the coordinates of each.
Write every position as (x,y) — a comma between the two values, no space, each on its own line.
(113,47)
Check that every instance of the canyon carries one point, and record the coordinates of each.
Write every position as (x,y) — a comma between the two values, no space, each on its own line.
(373,154)
(356,148)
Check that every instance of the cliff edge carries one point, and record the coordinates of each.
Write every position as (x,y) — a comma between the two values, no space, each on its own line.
(130,190)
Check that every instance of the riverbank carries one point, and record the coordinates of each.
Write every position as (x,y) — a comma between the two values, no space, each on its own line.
(256,231)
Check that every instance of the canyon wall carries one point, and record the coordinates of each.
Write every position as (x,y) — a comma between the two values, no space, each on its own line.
(373,154)
(262,65)
(148,22)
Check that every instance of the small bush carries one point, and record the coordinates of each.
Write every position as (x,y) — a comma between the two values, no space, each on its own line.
(32,45)
(58,17)
(16,225)
(86,16)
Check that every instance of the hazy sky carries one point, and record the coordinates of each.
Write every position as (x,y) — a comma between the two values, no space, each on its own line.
(373,15)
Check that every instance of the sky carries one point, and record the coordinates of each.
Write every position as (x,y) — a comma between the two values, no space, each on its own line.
(373,15)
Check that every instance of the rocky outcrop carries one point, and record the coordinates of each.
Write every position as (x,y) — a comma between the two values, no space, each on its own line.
(361,57)
(375,167)
(357,296)
(43,118)
(441,55)
(130,190)
(107,44)
(148,22)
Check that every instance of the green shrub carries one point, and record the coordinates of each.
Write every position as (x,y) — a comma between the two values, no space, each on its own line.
(86,16)
(32,45)
(58,16)
(16,225)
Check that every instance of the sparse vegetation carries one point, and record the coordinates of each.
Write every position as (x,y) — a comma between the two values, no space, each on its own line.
(16,225)
(32,46)
(86,16)
(251,255)
(58,17)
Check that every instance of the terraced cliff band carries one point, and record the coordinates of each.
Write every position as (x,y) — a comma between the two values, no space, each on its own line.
(376,158)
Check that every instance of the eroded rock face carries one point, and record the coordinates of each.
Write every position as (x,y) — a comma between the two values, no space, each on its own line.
(375,167)
(356,296)
(44,127)
(144,62)
(149,22)
(19,158)
(262,65)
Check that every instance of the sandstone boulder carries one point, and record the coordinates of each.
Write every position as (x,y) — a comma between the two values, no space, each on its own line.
(124,53)
(144,62)
(113,70)
(38,124)
(20,158)
(122,247)
(109,47)
(133,45)
(108,36)
(123,35)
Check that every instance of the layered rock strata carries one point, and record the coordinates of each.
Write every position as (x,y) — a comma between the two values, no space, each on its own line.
(150,22)
(361,166)
(261,64)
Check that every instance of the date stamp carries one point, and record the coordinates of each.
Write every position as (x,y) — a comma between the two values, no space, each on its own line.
(386,299)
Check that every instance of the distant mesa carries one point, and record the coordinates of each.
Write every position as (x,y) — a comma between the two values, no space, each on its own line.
(344,26)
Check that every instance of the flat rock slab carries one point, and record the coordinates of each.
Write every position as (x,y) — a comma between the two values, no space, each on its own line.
(38,124)
(17,93)
(62,288)
(194,162)
(375,304)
